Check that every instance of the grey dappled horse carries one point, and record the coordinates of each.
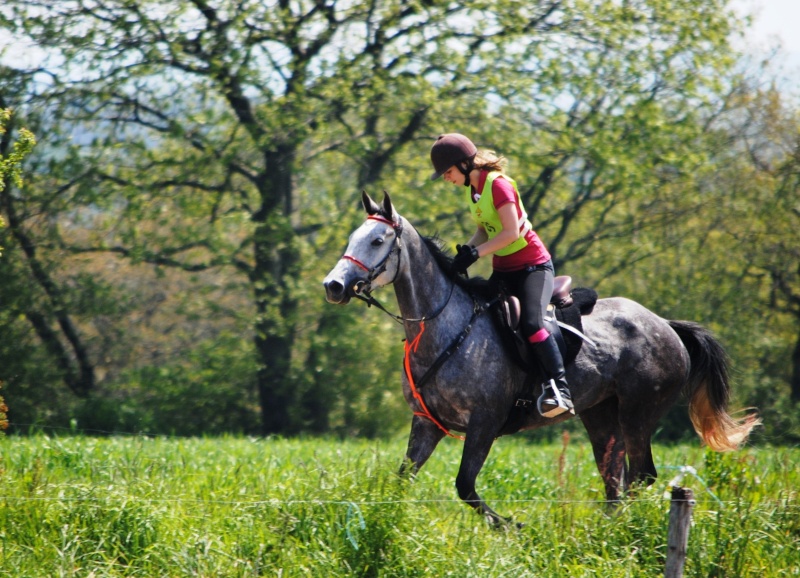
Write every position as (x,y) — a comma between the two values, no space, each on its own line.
(621,387)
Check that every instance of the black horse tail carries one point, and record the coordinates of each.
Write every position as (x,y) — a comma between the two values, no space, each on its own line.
(709,390)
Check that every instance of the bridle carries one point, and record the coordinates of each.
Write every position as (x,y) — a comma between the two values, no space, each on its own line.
(363,289)
(374,272)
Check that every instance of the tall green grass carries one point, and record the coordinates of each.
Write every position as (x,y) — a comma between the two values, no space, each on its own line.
(95,507)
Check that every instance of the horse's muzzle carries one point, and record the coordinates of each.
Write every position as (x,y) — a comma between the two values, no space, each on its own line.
(343,283)
(335,292)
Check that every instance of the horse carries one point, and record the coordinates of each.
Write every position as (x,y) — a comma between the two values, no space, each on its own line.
(636,369)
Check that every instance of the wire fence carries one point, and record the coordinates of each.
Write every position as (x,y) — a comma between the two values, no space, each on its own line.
(682,471)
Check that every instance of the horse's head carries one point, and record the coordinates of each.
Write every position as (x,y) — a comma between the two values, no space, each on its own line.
(372,258)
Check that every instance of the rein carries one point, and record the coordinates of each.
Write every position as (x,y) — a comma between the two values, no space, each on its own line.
(367,298)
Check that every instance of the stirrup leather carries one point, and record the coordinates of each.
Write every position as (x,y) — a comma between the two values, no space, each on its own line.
(562,405)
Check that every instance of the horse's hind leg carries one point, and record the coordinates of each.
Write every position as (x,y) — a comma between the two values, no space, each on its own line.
(608,445)
(638,423)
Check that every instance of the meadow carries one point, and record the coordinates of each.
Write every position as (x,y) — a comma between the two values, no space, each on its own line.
(236,507)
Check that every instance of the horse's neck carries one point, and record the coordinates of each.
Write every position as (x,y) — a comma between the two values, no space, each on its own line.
(422,288)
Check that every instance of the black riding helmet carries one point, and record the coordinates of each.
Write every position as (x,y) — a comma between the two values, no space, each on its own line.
(453,149)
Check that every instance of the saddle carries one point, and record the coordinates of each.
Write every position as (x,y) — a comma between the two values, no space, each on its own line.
(567,305)
(562,297)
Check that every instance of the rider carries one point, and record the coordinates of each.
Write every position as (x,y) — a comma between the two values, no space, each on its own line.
(519,258)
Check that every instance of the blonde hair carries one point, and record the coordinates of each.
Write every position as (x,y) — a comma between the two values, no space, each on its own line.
(487,160)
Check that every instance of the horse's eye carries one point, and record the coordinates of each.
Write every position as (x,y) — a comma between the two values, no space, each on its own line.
(377,242)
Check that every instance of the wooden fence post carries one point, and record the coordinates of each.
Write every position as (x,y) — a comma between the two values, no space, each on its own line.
(680,518)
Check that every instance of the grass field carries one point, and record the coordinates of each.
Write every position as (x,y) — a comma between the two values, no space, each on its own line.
(126,506)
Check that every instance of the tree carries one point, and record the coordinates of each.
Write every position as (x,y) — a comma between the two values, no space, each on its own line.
(227,136)
(765,223)
(11,157)
(211,109)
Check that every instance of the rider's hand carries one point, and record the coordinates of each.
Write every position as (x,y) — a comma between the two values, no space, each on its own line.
(466,255)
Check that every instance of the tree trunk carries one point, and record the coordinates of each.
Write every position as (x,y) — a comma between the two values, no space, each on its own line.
(276,263)
(274,326)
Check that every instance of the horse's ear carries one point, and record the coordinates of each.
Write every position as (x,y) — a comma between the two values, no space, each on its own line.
(388,208)
(370,206)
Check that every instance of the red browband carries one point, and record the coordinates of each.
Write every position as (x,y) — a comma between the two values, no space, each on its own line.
(374,218)
(382,220)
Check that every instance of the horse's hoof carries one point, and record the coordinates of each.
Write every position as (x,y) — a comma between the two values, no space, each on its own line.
(505,524)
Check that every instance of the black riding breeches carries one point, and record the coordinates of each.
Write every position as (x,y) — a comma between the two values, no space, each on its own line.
(533,286)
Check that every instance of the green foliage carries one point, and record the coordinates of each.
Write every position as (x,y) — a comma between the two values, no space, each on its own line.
(3,416)
(11,161)
(210,390)
(244,507)
(202,169)
(11,171)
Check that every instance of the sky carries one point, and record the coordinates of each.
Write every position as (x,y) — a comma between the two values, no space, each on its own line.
(773,18)
(775,22)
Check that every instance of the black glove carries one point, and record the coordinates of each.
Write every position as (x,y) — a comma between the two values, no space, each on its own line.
(466,255)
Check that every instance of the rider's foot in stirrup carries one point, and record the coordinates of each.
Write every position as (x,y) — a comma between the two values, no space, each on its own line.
(554,400)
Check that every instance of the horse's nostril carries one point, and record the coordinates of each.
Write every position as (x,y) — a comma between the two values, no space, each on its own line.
(334,288)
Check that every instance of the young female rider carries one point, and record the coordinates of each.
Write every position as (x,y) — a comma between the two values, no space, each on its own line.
(519,258)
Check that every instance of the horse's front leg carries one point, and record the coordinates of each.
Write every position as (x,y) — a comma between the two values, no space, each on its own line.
(422,440)
(481,433)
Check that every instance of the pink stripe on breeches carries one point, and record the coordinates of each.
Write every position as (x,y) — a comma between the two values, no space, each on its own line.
(539,336)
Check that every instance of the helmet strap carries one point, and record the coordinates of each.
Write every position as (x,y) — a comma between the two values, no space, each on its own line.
(466,171)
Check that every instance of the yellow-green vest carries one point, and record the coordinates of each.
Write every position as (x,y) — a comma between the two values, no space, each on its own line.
(485,215)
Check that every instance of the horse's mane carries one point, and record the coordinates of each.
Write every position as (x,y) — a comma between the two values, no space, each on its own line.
(476,285)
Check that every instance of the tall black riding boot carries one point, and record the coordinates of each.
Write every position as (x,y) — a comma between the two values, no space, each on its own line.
(555,398)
